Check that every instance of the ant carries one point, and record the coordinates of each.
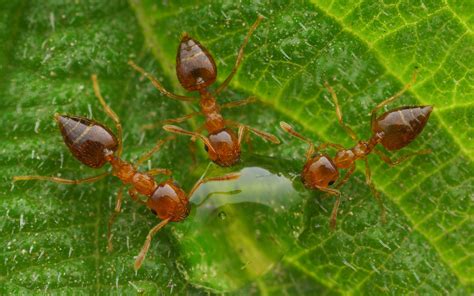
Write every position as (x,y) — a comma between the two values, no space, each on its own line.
(196,71)
(93,144)
(393,129)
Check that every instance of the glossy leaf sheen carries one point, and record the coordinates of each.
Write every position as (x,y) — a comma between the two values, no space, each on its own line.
(263,233)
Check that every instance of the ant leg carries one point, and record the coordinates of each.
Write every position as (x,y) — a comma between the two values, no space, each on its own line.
(376,194)
(348,130)
(325,145)
(239,103)
(134,195)
(237,191)
(155,149)
(118,207)
(346,176)
(333,220)
(158,85)
(155,172)
(311,150)
(240,134)
(199,130)
(335,209)
(193,150)
(248,142)
(172,120)
(240,56)
(329,190)
(289,129)
(182,118)
(192,147)
(402,158)
(227,177)
(146,245)
(61,180)
(392,98)
(177,130)
(109,113)
(264,135)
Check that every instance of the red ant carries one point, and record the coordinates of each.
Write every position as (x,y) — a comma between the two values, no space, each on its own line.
(394,130)
(196,71)
(93,144)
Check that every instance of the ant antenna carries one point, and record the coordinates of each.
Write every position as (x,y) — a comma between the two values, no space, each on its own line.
(210,194)
(289,129)
(177,130)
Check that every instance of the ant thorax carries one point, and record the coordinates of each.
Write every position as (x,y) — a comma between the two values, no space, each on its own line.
(344,158)
(361,149)
(122,169)
(211,110)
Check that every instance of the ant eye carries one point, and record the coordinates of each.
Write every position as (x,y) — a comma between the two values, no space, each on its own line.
(330,183)
(207,148)
(154,212)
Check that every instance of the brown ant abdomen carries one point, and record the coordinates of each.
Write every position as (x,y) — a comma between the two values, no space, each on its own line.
(168,201)
(87,139)
(400,126)
(195,67)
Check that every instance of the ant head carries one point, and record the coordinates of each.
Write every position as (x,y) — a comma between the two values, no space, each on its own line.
(169,202)
(320,171)
(195,66)
(225,147)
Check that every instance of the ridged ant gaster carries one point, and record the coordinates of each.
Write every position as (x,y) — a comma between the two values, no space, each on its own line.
(393,129)
(93,144)
(196,71)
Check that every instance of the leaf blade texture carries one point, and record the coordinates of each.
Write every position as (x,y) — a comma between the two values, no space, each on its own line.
(54,235)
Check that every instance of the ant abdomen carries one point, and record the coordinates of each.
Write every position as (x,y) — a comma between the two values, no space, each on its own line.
(87,139)
(398,127)
(195,67)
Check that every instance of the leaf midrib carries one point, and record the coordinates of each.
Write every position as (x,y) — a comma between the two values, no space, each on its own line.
(157,52)
(380,60)
(308,127)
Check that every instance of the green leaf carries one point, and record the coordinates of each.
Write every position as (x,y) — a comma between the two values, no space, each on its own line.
(264,233)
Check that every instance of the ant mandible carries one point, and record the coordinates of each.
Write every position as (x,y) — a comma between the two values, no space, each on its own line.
(93,144)
(393,129)
(196,71)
